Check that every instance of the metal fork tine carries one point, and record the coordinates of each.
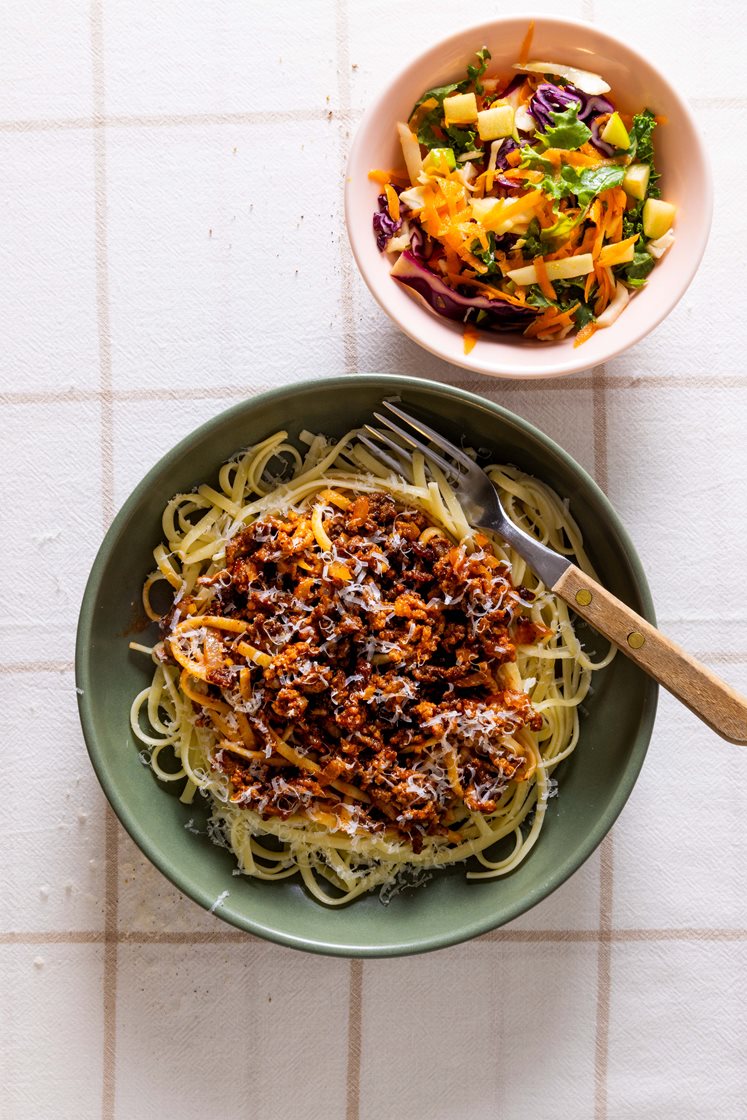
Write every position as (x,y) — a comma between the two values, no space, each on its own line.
(424,430)
(383,457)
(382,437)
(448,468)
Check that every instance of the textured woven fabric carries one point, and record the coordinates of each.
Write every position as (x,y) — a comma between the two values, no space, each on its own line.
(171,242)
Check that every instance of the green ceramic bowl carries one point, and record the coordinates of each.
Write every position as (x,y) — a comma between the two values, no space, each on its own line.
(594,783)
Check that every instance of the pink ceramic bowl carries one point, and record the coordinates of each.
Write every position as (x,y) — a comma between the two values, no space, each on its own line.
(636,84)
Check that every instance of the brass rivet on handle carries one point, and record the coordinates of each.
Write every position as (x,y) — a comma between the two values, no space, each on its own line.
(635,639)
(583,597)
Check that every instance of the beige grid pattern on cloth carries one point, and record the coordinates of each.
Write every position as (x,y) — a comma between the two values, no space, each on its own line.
(623,995)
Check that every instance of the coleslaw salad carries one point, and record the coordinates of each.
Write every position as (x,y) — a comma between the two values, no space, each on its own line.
(527,203)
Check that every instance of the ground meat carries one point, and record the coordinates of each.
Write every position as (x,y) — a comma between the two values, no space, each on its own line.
(376,662)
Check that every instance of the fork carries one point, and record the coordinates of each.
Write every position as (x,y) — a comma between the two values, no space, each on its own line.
(705,694)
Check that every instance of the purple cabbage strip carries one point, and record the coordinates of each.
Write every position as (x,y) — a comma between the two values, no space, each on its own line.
(418,246)
(549,98)
(601,145)
(449,304)
(384,224)
(516,81)
(509,145)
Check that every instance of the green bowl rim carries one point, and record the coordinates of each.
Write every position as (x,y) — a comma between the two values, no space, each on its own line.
(85,682)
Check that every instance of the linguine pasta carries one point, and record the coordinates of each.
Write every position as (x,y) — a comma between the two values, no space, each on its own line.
(362,684)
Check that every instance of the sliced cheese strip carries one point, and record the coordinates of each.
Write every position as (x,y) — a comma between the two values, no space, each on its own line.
(585,80)
(563,269)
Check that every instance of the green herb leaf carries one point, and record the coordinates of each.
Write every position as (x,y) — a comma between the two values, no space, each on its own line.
(487,256)
(563,226)
(633,221)
(476,72)
(641,148)
(427,133)
(583,315)
(567,298)
(636,272)
(535,161)
(585,183)
(588,182)
(438,93)
(641,137)
(532,246)
(566,131)
(462,139)
(570,290)
(536,298)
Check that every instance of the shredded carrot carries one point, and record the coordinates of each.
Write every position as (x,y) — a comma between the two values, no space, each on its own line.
(605,289)
(615,253)
(393,201)
(524,174)
(590,282)
(584,334)
(662,119)
(567,250)
(613,201)
(543,279)
(526,92)
(526,43)
(596,215)
(493,293)
(471,335)
(578,158)
(482,237)
(551,321)
(587,241)
(519,205)
(452,261)
(382,177)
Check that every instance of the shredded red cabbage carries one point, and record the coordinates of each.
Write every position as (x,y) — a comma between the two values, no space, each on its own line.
(419,246)
(516,81)
(384,224)
(509,145)
(549,98)
(499,315)
(601,145)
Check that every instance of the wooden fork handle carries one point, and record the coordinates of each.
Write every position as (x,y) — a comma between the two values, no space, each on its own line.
(697,687)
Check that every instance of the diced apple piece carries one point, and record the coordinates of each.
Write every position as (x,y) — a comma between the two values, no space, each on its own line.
(563,269)
(658,216)
(410,150)
(439,160)
(461,108)
(615,132)
(636,180)
(495,122)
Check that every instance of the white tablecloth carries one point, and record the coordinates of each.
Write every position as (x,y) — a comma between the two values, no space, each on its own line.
(171,241)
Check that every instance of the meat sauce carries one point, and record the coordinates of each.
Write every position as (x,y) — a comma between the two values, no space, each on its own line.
(382,672)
